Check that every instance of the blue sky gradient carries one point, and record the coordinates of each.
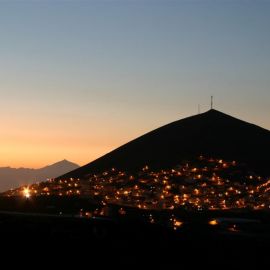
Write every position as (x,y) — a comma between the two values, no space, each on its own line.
(79,78)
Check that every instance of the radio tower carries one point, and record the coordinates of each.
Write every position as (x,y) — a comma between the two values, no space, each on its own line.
(211,102)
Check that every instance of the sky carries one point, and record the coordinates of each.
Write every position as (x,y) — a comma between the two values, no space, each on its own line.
(80,78)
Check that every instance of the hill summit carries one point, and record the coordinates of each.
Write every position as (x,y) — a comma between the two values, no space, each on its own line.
(12,177)
(212,133)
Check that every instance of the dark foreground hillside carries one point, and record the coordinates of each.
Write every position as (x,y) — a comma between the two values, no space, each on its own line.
(238,241)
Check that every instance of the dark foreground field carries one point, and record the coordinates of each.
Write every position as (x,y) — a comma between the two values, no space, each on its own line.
(103,241)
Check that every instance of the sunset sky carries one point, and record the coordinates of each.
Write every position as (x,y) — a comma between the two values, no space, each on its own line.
(80,78)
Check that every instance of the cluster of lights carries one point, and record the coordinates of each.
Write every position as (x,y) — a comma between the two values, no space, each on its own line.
(203,183)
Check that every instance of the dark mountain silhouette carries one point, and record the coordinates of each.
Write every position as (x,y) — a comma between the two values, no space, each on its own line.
(11,177)
(212,133)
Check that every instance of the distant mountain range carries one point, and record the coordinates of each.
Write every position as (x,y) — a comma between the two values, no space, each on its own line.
(213,134)
(12,177)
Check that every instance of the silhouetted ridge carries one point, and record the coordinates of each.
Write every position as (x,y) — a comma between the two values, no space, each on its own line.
(212,133)
(13,177)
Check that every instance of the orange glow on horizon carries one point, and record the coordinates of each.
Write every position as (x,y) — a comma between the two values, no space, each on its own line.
(34,137)
(37,156)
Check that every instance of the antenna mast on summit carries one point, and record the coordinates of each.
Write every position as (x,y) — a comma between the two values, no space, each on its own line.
(211,102)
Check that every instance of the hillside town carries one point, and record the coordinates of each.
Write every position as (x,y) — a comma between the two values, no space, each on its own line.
(198,184)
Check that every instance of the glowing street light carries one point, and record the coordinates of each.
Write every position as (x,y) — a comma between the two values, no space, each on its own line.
(26,193)
(213,222)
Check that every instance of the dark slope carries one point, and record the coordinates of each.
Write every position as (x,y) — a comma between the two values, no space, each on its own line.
(212,134)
